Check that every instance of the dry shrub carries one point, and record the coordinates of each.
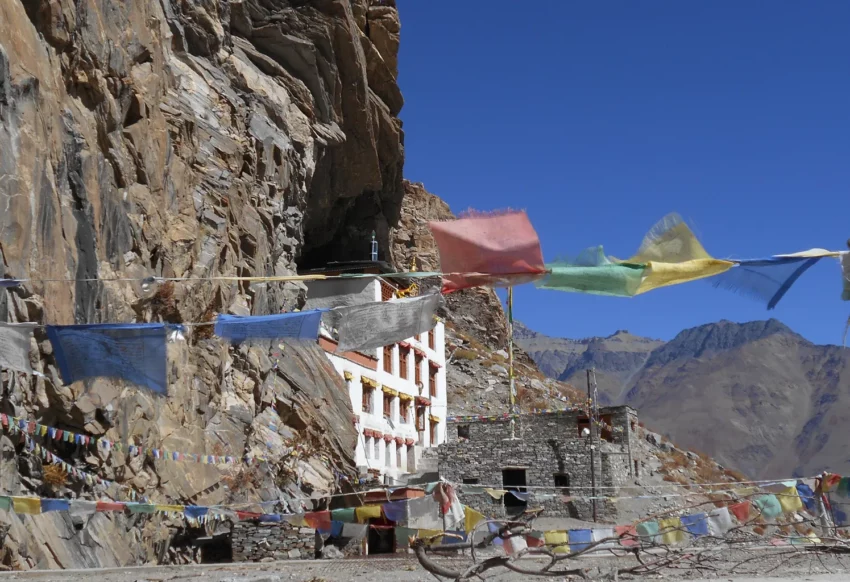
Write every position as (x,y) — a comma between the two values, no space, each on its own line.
(164,305)
(679,479)
(55,476)
(759,530)
(734,474)
(464,354)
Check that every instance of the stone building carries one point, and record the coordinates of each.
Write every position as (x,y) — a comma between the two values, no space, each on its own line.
(549,461)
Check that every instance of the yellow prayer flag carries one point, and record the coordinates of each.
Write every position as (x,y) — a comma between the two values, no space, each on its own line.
(659,274)
(26,505)
(790,500)
(558,540)
(367,512)
(471,519)
(495,493)
(424,534)
(169,508)
(296,519)
(671,532)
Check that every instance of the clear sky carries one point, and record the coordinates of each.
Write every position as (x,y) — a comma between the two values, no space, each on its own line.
(599,117)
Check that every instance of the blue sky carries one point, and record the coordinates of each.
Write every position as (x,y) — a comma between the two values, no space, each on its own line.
(600,117)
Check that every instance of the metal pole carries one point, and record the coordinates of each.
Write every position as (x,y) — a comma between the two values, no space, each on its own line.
(511,359)
(591,415)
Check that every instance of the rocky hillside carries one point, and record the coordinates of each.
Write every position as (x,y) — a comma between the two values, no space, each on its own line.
(186,139)
(476,326)
(755,396)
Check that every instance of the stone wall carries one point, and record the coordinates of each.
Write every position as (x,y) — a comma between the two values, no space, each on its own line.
(546,446)
(254,542)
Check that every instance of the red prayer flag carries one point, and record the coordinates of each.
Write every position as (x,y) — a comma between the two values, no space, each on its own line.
(109,506)
(741,511)
(627,535)
(319,520)
(246,515)
(497,250)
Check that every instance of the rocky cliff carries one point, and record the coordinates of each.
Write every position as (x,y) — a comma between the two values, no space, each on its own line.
(195,140)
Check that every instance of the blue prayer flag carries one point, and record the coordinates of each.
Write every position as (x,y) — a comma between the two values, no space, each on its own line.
(302,325)
(807,496)
(336,529)
(580,539)
(395,511)
(696,524)
(766,279)
(195,511)
(270,518)
(54,505)
(134,352)
(9,283)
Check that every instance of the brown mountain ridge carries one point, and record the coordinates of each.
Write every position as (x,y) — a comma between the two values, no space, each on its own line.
(755,396)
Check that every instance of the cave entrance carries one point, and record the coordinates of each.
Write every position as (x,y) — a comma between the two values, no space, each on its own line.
(216,549)
(381,537)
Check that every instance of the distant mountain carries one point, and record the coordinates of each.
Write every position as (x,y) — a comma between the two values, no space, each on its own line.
(756,396)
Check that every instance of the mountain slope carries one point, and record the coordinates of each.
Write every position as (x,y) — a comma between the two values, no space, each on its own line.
(756,396)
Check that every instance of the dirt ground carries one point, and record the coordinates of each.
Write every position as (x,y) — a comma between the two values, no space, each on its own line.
(755,565)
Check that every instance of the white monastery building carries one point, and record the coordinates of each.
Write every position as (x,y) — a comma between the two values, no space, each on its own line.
(398,392)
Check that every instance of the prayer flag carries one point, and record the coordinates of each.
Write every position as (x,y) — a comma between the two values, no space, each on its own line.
(54,505)
(355,531)
(807,496)
(696,524)
(671,531)
(719,521)
(195,511)
(367,512)
(382,323)
(396,511)
(592,272)
(580,539)
(627,534)
(26,505)
(141,507)
(558,540)
(133,352)
(82,509)
(319,520)
(15,346)
(789,500)
(769,506)
(498,249)
(109,506)
(648,531)
(766,279)
(345,515)
(300,325)
(471,519)
(604,533)
(741,511)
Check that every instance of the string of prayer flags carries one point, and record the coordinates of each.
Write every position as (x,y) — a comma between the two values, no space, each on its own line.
(382,323)
(15,346)
(133,352)
(765,279)
(300,325)
(592,272)
(497,249)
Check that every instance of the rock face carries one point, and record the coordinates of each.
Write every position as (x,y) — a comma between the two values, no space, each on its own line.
(755,396)
(195,140)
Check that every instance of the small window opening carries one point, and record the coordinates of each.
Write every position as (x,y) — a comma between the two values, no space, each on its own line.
(463,431)
(470,481)
(563,482)
(514,480)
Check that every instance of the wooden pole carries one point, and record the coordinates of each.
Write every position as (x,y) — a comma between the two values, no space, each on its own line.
(511,360)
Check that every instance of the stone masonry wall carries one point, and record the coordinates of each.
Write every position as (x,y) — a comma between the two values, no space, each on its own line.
(255,542)
(546,446)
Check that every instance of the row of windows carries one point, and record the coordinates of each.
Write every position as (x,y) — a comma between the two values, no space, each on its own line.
(403,358)
(559,480)
(373,452)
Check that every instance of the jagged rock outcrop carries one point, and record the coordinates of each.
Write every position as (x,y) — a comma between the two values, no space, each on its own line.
(194,140)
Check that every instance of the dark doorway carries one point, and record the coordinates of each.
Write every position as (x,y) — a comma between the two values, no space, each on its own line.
(514,480)
(218,550)
(381,537)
